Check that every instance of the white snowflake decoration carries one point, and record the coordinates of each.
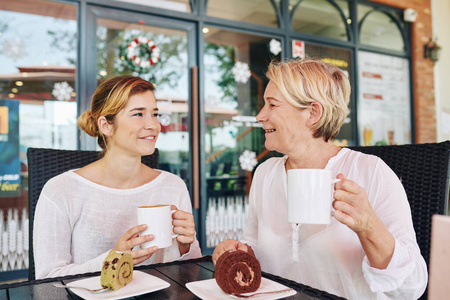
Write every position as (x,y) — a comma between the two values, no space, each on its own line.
(275,46)
(14,49)
(62,91)
(165,119)
(248,160)
(241,72)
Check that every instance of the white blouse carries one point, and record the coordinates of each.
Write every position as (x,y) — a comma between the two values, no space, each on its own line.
(77,222)
(330,257)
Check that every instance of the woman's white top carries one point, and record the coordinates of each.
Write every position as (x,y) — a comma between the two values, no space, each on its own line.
(331,257)
(78,222)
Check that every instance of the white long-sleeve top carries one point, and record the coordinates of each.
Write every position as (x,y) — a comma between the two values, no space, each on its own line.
(330,257)
(77,222)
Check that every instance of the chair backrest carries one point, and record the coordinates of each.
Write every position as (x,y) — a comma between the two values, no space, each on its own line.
(44,164)
(424,172)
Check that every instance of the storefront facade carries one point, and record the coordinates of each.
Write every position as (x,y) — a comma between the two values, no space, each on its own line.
(207,59)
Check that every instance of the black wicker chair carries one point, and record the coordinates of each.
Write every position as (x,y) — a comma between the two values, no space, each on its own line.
(424,171)
(44,164)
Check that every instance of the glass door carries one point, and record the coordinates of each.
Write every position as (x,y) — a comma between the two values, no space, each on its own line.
(161,51)
(38,105)
(234,66)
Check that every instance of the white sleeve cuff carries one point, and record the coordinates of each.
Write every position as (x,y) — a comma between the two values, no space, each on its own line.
(194,252)
(391,278)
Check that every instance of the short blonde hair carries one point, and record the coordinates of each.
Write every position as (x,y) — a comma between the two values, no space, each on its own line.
(108,100)
(304,81)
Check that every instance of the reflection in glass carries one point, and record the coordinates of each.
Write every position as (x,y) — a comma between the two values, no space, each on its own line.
(234,142)
(38,55)
(177,5)
(39,69)
(260,12)
(320,17)
(168,71)
(378,29)
(343,5)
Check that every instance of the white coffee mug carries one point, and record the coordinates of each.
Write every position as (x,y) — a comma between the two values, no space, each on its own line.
(310,195)
(158,219)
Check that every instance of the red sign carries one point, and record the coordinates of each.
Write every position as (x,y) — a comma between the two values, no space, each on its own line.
(298,49)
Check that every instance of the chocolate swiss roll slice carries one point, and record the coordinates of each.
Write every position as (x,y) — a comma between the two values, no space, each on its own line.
(117,270)
(238,272)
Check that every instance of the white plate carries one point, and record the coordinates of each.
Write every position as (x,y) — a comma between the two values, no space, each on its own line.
(142,283)
(209,290)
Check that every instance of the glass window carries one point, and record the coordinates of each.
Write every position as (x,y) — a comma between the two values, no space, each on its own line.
(235,64)
(378,29)
(259,12)
(38,107)
(343,5)
(341,58)
(159,55)
(177,5)
(320,17)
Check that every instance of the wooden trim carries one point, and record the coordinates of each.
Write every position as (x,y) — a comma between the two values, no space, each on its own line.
(195,139)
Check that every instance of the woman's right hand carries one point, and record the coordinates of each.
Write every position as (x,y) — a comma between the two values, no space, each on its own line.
(228,245)
(131,239)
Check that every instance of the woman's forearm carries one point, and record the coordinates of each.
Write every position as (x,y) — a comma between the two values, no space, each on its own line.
(378,244)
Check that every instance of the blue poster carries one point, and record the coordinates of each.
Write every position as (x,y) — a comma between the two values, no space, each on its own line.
(9,148)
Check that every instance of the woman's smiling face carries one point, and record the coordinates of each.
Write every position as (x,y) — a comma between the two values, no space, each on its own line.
(136,127)
(284,125)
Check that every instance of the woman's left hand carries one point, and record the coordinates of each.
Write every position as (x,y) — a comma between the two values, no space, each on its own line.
(184,226)
(352,206)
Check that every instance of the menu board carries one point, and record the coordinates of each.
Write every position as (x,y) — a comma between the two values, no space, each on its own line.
(384,106)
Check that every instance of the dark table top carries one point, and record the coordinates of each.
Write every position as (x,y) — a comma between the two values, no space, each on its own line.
(176,273)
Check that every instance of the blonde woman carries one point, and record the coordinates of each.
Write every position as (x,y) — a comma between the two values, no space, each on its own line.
(369,250)
(83,214)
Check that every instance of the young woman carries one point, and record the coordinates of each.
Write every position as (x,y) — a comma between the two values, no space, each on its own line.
(84,214)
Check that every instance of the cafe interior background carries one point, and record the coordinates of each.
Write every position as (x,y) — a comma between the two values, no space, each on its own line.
(207,59)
